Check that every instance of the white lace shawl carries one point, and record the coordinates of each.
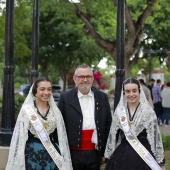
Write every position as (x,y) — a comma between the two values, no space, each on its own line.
(145,118)
(16,158)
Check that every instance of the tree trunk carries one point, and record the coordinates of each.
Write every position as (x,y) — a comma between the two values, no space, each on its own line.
(65,82)
(44,67)
(134,35)
(168,62)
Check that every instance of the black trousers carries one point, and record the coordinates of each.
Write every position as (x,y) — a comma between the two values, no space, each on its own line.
(86,160)
(158,110)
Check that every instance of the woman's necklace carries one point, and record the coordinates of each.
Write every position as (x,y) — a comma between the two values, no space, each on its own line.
(132,113)
(45,124)
(43,116)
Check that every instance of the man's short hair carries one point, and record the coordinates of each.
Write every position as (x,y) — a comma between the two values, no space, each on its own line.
(168,84)
(152,80)
(141,81)
(158,81)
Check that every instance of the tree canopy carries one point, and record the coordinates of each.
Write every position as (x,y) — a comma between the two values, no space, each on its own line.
(99,20)
(75,33)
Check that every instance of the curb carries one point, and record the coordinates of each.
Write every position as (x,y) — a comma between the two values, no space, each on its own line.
(4,156)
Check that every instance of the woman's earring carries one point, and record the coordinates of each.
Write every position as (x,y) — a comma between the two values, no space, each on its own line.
(34,97)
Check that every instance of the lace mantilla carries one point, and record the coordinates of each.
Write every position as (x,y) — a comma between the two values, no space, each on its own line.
(50,123)
(16,159)
(145,118)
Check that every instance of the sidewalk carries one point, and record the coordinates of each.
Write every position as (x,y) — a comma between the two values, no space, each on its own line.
(164,129)
(3,158)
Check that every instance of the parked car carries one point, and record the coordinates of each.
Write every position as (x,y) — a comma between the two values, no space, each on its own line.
(24,90)
(56,91)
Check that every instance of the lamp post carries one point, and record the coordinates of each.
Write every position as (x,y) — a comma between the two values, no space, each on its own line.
(149,52)
(8,107)
(120,72)
(35,42)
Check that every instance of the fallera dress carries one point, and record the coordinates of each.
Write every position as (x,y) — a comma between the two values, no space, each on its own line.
(126,158)
(119,153)
(26,150)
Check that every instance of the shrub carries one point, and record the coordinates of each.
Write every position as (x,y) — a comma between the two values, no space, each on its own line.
(19,100)
(18,103)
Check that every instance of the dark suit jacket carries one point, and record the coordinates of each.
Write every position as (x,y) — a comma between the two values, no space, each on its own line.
(70,108)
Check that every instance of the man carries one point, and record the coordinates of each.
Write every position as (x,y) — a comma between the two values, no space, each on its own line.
(96,84)
(87,118)
(157,101)
(150,86)
(147,92)
(165,94)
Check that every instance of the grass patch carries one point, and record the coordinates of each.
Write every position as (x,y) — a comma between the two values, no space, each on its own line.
(167,159)
(166,142)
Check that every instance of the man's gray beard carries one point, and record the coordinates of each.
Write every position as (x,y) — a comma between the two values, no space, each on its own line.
(85,88)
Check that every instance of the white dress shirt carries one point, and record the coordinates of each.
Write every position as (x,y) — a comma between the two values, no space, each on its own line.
(87,107)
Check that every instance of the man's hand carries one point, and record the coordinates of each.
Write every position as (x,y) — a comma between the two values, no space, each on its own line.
(103,160)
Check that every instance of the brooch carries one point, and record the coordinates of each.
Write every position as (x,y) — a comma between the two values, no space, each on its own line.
(33,117)
(123,118)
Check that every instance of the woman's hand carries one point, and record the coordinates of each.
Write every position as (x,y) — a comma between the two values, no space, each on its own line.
(163,168)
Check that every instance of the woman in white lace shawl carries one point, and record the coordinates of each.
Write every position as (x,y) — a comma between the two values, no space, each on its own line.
(26,149)
(143,124)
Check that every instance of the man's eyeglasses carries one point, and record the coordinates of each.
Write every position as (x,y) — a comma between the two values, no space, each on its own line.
(83,77)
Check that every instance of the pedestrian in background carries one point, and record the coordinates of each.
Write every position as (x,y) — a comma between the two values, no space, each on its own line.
(87,118)
(150,86)
(96,84)
(157,100)
(165,94)
(147,92)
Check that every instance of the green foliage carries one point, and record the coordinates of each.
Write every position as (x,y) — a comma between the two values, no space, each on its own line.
(2,35)
(19,100)
(66,46)
(17,85)
(18,103)
(157,30)
(154,31)
(146,63)
(63,44)
(1,69)
(166,142)
(167,160)
(136,7)
(22,35)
